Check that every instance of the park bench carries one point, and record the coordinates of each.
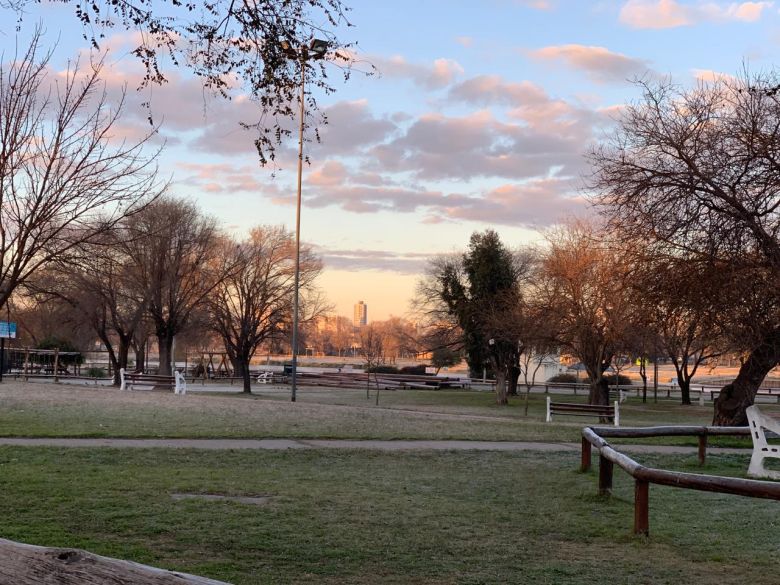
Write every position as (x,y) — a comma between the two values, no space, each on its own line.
(576,409)
(265,377)
(759,423)
(131,380)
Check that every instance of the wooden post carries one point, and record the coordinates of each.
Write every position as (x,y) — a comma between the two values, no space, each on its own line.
(641,507)
(605,476)
(56,363)
(26,361)
(585,457)
(702,448)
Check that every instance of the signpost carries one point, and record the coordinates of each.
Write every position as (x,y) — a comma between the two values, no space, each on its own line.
(7,331)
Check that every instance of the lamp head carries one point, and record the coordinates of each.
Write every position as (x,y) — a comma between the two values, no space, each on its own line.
(318,48)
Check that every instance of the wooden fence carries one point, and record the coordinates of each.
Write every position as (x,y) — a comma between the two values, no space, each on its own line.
(644,476)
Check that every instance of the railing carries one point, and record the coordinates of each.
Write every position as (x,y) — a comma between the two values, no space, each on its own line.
(644,476)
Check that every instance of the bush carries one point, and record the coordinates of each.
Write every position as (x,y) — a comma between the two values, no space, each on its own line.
(622,380)
(62,345)
(417,370)
(382,370)
(95,372)
(563,379)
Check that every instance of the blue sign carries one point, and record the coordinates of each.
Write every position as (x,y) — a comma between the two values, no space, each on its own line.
(7,330)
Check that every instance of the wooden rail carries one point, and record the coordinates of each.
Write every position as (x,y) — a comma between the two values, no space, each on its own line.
(644,476)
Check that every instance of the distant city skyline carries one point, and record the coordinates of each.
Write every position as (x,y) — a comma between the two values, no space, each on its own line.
(482,121)
(360,314)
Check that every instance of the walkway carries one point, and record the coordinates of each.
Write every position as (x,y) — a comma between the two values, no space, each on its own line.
(377,445)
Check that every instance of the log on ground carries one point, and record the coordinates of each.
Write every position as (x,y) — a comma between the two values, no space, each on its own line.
(26,564)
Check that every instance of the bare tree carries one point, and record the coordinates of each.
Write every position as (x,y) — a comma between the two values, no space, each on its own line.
(531,361)
(63,182)
(253,303)
(695,173)
(175,255)
(373,352)
(581,294)
(676,312)
(99,282)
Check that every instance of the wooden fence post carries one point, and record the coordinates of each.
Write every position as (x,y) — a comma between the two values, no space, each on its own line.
(641,507)
(586,453)
(702,448)
(26,361)
(605,476)
(56,363)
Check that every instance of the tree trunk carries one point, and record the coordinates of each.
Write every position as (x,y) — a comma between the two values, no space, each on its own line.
(734,398)
(527,394)
(121,359)
(501,396)
(685,389)
(514,374)
(599,392)
(165,345)
(140,358)
(241,368)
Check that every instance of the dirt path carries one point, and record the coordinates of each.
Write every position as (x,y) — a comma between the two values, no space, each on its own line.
(376,445)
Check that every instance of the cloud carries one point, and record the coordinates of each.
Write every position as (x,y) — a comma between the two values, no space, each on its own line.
(598,63)
(221,178)
(540,136)
(438,147)
(386,260)
(670,13)
(351,126)
(532,204)
(537,4)
(710,76)
(437,75)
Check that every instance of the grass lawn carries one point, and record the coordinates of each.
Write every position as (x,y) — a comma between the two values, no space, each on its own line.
(62,410)
(360,517)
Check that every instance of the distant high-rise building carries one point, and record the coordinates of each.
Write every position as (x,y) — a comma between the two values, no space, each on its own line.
(360,317)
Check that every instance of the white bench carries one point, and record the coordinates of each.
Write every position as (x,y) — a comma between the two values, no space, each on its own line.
(758,423)
(577,409)
(129,381)
(265,377)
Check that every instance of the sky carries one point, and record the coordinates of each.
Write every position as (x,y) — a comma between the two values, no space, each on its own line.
(479,117)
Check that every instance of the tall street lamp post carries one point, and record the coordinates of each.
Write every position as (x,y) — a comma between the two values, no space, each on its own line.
(316,49)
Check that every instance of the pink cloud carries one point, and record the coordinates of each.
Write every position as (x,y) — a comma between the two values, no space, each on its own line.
(535,204)
(537,4)
(671,14)
(598,63)
(330,173)
(437,75)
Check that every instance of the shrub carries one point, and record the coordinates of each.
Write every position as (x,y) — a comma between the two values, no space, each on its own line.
(95,372)
(382,370)
(62,345)
(563,379)
(417,370)
(622,380)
